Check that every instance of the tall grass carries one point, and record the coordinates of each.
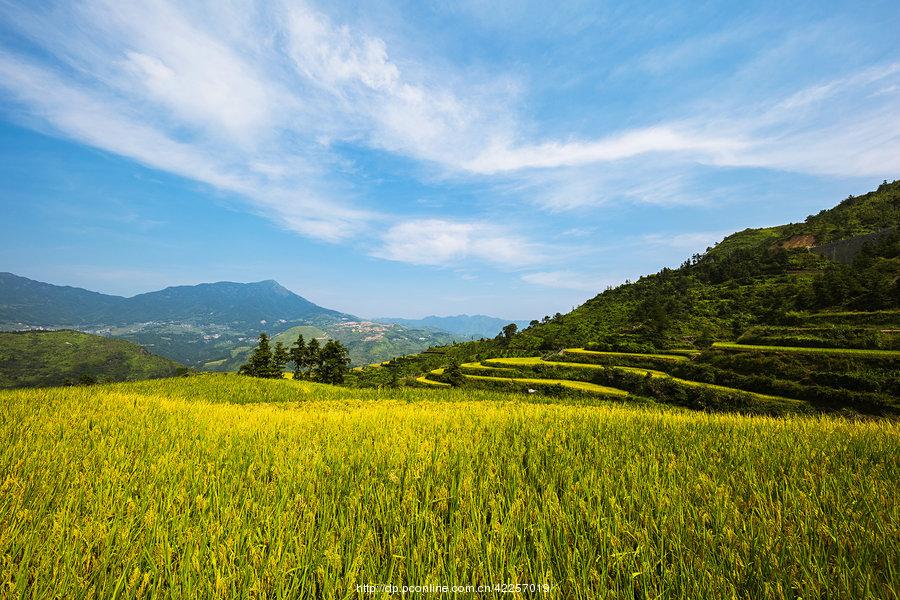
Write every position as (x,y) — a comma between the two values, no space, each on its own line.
(188,488)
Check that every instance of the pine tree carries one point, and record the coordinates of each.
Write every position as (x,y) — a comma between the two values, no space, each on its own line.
(312,358)
(333,363)
(298,356)
(260,362)
(279,359)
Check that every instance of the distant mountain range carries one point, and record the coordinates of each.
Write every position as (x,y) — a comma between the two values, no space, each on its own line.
(466,326)
(31,302)
(210,325)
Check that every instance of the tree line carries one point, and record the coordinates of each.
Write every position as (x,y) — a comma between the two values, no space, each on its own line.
(312,361)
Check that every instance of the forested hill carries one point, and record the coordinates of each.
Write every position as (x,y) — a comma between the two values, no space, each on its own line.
(752,277)
(775,276)
(65,357)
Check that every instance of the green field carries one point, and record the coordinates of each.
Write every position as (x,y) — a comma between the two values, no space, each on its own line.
(854,352)
(225,486)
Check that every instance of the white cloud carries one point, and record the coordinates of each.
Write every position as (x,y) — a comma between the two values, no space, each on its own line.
(845,126)
(797,133)
(247,99)
(115,127)
(634,180)
(568,280)
(253,99)
(501,157)
(419,115)
(443,242)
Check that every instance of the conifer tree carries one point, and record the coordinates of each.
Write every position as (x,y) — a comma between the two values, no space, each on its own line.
(312,358)
(334,360)
(298,356)
(260,362)
(279,360)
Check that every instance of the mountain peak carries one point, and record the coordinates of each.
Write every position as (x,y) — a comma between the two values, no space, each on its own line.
(270,283)
(220,302)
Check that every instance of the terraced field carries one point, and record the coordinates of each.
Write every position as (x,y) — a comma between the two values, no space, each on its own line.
(746,377)
(533,361)
(509,370)
(857,352)
(425,380)
(575,385)
(583,352)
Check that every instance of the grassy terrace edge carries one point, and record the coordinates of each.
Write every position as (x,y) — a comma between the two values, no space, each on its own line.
(733,346)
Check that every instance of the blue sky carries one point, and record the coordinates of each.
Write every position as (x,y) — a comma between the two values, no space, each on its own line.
(404,159)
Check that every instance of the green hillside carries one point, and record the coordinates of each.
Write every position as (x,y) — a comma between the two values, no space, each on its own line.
(807,311)
(750,278)
(47,358)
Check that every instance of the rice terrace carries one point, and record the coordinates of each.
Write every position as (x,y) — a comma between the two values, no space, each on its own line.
(692,401)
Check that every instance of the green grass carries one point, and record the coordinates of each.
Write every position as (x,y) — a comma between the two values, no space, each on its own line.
(731,346)
(192,488)
(671,357)
(877,317)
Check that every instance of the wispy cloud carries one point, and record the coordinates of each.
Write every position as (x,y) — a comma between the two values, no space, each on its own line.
(443,242)
(166,94)
(256,100)
(503,157)
(796,132)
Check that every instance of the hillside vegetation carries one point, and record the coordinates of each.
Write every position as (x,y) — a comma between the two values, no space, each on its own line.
(764,312)
(47,358)
(230,486)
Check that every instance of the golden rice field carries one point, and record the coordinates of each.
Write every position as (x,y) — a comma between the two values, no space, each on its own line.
(220,486)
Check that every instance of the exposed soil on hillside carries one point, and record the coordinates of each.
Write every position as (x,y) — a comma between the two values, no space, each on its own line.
(799,241)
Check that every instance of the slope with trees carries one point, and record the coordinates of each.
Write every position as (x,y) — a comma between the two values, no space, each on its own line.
(47,358)
(759,285)
(328,363)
